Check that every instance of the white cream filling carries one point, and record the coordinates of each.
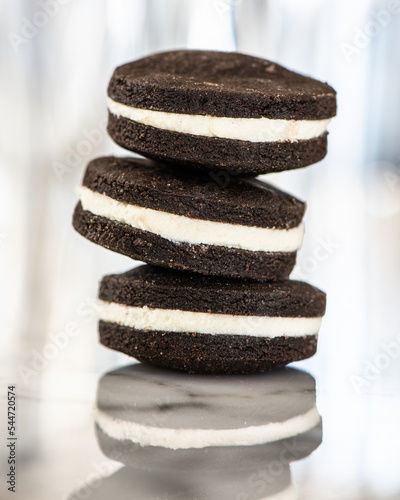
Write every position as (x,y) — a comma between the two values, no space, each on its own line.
(242,129)
(175,320)
(185,229)
(146,435)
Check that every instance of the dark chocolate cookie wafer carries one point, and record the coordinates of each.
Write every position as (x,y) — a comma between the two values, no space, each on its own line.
(220,111)
(203,324)
(171,218)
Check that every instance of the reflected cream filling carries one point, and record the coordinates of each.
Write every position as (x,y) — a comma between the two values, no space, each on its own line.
(242,129)
(195,231)
(175,439)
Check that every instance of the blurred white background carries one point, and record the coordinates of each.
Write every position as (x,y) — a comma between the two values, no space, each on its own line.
(56,57)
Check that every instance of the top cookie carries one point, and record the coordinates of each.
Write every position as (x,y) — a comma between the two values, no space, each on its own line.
(216,110)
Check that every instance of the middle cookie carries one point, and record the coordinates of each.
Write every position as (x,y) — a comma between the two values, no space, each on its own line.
(230,226)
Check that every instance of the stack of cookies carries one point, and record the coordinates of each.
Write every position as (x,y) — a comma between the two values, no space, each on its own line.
(219,244)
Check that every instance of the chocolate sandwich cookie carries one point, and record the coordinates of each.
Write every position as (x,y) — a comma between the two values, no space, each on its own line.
(203,324)
(171,218)
(220,111)
(163,420)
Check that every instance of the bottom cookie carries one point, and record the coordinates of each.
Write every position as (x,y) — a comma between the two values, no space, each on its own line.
(203,324)
(203,353)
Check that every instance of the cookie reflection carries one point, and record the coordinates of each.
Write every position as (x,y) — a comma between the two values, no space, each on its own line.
(156,419)
(135,484)
(197,437)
